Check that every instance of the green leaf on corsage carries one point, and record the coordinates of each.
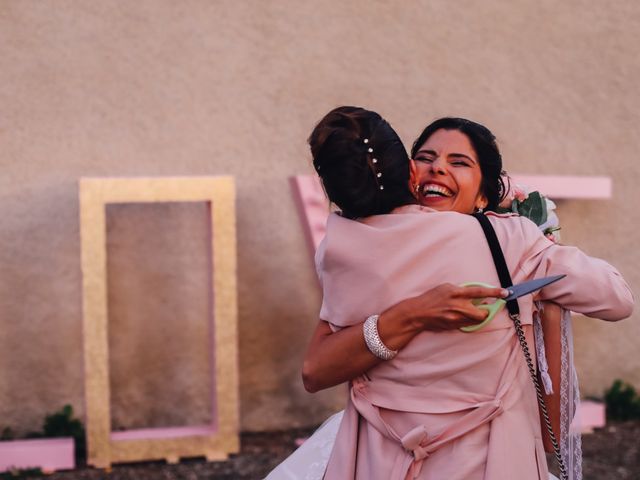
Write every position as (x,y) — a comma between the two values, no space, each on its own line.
(533,207)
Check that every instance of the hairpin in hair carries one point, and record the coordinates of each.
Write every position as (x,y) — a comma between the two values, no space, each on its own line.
(372,161)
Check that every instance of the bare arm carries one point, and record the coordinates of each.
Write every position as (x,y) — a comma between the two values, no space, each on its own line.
(551,331)
(336,357)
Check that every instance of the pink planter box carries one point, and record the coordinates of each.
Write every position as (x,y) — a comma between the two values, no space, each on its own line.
(591,415)
(48,454)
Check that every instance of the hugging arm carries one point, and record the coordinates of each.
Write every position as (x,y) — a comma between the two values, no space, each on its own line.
(336,357)
(551,320)
(592,287)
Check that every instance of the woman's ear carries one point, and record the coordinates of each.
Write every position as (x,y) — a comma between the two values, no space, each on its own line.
(481,202)
(413,178)
(413,173)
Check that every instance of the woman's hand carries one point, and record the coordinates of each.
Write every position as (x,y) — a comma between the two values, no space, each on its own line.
(447,307)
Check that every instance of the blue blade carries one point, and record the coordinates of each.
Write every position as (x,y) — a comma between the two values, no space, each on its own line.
(524,288)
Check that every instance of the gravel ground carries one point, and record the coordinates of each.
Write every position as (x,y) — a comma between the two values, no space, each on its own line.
(609,454)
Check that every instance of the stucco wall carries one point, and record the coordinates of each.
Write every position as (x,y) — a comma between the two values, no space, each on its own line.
(157,88)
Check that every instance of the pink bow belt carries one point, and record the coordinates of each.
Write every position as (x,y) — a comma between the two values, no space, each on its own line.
(369,397)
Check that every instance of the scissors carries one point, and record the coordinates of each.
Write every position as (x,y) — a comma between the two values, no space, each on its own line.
(515,291)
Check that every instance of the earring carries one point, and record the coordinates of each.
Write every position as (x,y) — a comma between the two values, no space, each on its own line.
(416,188)
(479,209)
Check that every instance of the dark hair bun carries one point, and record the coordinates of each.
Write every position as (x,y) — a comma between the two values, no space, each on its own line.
(359,181)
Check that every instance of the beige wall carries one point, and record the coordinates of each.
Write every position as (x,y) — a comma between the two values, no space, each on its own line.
(156,88)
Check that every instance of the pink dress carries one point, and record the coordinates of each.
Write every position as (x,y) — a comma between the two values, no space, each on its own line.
(450,405)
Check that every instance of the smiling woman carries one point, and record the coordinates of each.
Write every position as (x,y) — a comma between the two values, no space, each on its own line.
(458,166)
(448,170)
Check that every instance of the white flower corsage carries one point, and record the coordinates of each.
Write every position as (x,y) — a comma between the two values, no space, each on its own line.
(534,206)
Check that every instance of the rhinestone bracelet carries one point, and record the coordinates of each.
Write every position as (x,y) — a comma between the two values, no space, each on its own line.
(373,340)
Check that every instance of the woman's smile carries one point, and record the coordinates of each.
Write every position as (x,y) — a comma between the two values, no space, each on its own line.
(435,190)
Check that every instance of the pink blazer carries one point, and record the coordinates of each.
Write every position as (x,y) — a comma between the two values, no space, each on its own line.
(450,405)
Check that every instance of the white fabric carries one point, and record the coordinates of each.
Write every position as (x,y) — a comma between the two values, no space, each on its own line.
(570,432)
(309,461)
(543,366)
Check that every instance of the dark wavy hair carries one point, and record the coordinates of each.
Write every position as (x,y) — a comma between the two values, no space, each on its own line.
(486,148)
(350,174)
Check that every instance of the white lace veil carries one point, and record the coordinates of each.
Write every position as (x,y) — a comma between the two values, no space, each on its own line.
(570,425)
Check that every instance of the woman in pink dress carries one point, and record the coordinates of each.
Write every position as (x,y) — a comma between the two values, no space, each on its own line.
(452,404)
(451,138)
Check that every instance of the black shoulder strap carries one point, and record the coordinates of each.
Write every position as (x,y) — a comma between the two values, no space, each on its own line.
(498,259)
(514,311)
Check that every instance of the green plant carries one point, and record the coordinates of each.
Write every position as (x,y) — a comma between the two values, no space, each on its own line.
(21,473)
(622,401)
(62,424)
